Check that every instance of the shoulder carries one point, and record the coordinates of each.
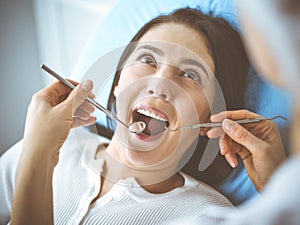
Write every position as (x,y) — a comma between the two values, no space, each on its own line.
(9,164)
(196,199)
(9,159)
(80,146)
(8,173)
(204,192)
(82,142)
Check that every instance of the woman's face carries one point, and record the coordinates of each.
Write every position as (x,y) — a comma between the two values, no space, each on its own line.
(166,82)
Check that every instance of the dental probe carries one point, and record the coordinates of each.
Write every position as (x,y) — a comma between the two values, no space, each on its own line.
(135,127)
(219,124)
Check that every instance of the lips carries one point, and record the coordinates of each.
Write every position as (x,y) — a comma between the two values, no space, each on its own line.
(155,120)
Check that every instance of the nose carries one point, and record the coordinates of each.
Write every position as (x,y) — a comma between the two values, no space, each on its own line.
(161,87)
(167,71)
(159,93)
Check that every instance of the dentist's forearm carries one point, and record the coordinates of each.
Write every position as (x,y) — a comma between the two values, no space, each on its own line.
(33,201)
(49,119)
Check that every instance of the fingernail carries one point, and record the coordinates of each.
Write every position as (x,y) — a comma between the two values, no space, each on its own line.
(222,148)
(232,163)
(209,133)
(87,85)
(228,125)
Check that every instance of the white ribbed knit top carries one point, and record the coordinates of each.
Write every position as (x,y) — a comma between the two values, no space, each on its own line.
(76,184)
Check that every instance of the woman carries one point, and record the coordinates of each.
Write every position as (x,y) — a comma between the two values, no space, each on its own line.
(230,60)
(135,179)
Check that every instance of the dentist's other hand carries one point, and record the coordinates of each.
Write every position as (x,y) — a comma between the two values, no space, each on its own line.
(258,144)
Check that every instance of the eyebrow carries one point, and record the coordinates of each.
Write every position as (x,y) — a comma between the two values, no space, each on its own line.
(152,48)
(185,61)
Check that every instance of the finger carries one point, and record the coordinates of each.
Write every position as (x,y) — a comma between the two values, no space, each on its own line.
(233,147)
(215,132)
(224,146)
(237,115)
(54,93)
(92,95)
(87,107)
(241,135)
(79,94)
(246,156)
(82,114)
(240,150)
(234,115)
(224,150)
(231,159)
(77,122)
(228,145)
(75,83)
(203,131)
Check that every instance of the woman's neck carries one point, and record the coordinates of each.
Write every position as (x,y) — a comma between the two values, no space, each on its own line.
(165,186)
(152,180)
(156,178)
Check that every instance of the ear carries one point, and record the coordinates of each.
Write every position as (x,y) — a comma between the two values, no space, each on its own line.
(116,91)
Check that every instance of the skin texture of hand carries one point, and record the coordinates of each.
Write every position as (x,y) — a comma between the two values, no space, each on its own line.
(52,113)
(258,144)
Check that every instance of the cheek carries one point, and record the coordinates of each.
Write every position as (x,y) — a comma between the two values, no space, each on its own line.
(126,79)
(194,109)
(131,74)
(201,99)
(203,107)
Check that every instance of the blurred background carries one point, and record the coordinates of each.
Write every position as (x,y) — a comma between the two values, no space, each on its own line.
(33,32)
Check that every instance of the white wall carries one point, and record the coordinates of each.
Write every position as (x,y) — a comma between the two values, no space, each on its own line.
(19,68)
(63,27)
(32,32)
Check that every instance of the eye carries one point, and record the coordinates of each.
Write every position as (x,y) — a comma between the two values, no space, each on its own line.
(148,59)
(192,75)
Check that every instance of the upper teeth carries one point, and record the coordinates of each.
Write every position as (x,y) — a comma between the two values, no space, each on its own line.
(151,114)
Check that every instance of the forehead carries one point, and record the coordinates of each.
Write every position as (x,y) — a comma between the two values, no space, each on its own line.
(190,41)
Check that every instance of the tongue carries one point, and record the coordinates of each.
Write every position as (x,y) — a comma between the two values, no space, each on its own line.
(153,126)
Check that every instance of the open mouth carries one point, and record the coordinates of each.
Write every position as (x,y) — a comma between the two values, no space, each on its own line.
(155,121)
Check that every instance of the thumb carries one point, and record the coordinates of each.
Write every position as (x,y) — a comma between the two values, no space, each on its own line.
(241,135)
(79,94)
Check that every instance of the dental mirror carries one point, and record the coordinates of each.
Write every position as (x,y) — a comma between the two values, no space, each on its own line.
(137,127)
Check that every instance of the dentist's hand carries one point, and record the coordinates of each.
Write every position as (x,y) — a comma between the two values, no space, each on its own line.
(53,111)
(258,144)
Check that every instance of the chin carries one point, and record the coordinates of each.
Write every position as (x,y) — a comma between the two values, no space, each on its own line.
(141,159)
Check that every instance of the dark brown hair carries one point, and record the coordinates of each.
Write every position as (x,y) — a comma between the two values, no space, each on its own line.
(231,72)
(290,7)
